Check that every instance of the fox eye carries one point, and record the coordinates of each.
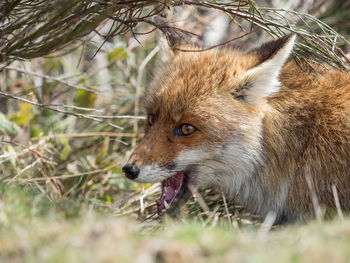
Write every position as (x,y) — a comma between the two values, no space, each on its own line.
(149,120)
(185,129)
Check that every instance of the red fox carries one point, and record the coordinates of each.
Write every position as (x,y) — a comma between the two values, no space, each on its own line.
(273,136)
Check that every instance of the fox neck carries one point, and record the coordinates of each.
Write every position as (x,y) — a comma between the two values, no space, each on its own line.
(261,181)
(284,142)
(235,169)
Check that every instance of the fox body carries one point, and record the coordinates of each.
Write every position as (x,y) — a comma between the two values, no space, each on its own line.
(273,136)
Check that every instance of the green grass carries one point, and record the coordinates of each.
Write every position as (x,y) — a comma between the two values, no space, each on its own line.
(34,228)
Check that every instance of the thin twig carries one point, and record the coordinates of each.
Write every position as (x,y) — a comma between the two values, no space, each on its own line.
(337,203)
(25,169)
(267,224)
(199,198)
(119,117)
(74,107)
(88,134)
(66,176)
(226,208)
(138,88)
(78,115)
(71,85)
(313,196)
(7,156)
(27,147)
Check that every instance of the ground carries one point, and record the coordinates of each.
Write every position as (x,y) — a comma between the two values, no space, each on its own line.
(34,228)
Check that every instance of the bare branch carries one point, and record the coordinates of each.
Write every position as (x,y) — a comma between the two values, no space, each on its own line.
(74,86)
(41,105)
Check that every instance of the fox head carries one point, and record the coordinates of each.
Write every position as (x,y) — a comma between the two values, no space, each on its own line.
(205,111)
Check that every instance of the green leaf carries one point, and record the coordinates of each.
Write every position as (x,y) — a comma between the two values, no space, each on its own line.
(85,99)
(10,154)
(7,127)
(109,199)
(24,115)
(66,149)
(117,54)
(51,64)
(35,131)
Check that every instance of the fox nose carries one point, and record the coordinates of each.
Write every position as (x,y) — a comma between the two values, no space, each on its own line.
(131,171)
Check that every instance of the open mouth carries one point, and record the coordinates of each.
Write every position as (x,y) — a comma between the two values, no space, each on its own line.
(173,190)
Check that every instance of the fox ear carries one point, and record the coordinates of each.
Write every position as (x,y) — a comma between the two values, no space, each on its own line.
(262,80)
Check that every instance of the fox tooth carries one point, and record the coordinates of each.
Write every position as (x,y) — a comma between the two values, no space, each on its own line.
(166,205)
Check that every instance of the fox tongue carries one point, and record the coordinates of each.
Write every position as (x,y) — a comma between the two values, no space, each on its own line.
(170,189)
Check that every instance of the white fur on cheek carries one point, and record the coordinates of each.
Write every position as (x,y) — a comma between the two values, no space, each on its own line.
(234,168)
(234,161)
(152,174)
